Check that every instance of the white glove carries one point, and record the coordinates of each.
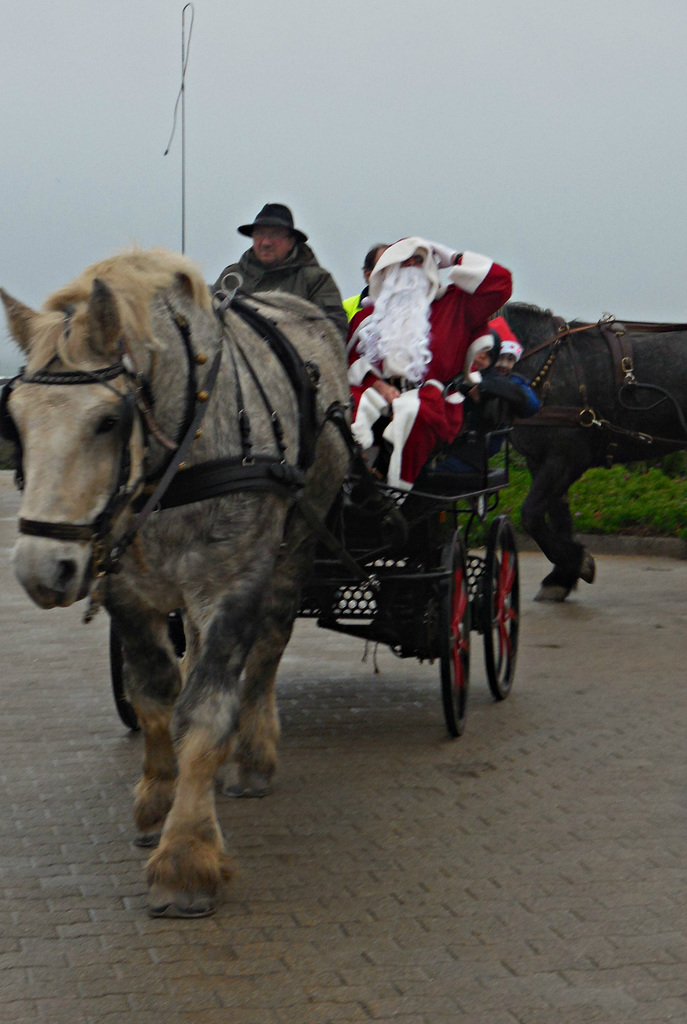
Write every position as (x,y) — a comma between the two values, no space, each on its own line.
(443,254)
(370,407)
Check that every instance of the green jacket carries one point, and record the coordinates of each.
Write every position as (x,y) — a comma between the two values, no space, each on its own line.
(300,274)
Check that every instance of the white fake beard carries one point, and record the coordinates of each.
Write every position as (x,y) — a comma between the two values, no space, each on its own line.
(396,334)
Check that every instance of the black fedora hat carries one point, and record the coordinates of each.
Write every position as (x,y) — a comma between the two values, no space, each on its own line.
(274,215)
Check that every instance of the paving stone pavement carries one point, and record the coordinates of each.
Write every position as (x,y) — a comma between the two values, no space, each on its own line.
(532,872)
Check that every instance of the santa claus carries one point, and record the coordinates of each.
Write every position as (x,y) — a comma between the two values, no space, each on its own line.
(405,350)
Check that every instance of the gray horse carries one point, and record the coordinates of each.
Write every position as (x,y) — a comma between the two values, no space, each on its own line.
(122,367)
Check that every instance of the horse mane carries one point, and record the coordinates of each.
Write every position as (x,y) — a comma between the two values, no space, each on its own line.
(529,323)
(281,306)
(525,308)
(135,278)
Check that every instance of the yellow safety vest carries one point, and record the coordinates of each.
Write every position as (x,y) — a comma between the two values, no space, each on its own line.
(352,305)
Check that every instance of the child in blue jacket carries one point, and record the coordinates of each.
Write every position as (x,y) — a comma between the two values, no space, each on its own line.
(497,382)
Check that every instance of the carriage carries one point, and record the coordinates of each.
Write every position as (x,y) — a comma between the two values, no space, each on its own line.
(399,570)
(409,579)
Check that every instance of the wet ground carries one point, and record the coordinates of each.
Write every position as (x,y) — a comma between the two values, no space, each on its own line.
(531,872)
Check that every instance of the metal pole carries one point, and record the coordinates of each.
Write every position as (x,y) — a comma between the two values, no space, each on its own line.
(184,51)
(181,96)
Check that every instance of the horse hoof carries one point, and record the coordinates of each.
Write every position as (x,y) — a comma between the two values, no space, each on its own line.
(587,568)
(163,902)
(147,839)
(555,593)
(250,785)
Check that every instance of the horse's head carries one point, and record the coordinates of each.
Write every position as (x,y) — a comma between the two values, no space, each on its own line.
(531,325)
(79,444)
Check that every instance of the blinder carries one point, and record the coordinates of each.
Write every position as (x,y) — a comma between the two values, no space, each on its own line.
(99,528)
(9,432)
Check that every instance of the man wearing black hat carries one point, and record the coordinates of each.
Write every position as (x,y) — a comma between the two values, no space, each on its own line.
(280,260)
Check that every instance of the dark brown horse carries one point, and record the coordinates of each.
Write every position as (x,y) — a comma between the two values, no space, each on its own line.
(612,392)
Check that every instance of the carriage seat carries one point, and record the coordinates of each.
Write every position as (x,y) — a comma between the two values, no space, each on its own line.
(463,467)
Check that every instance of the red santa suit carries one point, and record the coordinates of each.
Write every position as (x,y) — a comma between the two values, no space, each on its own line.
(425,416)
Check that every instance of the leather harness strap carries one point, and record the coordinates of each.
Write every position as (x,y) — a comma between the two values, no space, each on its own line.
(618,337)
(620,346)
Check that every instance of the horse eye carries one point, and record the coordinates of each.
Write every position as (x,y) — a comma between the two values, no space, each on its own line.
(106,425)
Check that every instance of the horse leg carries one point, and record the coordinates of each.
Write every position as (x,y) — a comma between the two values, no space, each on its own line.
(545,516)
(255,751)
(185,872)
(153,683)
(560,519)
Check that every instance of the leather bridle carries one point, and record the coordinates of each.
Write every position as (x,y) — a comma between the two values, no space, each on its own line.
(135,399)
(99,527)
(173,484)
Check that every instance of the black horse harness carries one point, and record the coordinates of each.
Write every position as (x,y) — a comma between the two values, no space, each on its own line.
(618,338)
(174,484)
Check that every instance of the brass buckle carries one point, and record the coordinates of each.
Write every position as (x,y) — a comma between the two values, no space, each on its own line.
(588,418)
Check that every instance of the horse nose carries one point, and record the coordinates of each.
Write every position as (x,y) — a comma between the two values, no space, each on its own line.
(51,576)
(65,572)
(56,591)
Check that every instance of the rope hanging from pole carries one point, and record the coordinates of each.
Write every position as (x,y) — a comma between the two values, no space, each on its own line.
(181,98)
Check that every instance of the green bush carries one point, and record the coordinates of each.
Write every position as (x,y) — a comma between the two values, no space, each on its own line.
(640,500)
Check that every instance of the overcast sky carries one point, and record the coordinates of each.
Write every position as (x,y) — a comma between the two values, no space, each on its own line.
(548,134)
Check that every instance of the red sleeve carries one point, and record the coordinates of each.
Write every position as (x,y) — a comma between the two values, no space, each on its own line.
(490,295)
(358,319)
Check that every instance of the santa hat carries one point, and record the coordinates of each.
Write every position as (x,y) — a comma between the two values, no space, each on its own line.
(399,252)
(510,346)
(484,343)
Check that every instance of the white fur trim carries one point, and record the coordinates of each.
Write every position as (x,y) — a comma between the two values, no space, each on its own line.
(470,272)
(443,255)
(455,398)
(354,337)
(358,371)
(511,348)
(481,344)
(399,252)
(405,409)
(370,408)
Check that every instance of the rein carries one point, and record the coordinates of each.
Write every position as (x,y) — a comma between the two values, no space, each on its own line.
(621,352)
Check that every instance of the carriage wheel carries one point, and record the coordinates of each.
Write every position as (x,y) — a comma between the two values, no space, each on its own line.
(500,607)
(454,611)
(125,710)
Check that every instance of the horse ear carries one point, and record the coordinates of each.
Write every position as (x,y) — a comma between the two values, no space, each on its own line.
(103,315)
(19,319)
(184,283)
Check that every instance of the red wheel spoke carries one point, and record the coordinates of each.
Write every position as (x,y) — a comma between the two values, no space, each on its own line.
(504,640)
(455,623)
(501,607)
(506,575)
(459,640)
